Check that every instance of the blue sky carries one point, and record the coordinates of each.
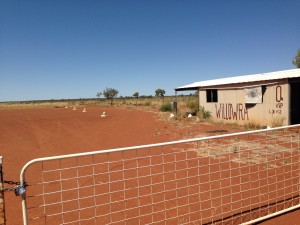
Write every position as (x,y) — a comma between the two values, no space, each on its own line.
(60,49)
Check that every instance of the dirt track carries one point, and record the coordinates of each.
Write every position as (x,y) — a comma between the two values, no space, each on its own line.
(26,134)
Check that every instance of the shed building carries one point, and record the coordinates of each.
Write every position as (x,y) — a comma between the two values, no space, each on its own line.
(271,99)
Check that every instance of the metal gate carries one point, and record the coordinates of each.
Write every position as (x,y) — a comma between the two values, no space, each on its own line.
(226,179)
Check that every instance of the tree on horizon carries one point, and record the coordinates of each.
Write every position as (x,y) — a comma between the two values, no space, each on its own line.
(136,94)
(110,94)
(296,60)
(99,94)
(160,92)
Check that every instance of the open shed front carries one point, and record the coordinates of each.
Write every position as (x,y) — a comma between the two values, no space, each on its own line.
(295,101)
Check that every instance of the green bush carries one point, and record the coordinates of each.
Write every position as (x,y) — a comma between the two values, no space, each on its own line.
(166,107)
(193,105)
(203,113)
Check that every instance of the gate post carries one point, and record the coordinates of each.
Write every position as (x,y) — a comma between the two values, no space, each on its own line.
(2,212)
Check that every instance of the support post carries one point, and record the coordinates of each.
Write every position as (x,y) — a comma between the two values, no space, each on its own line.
(176,101)
(2,209)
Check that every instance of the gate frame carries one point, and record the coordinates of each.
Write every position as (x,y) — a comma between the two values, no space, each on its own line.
(2,205)
(23,182)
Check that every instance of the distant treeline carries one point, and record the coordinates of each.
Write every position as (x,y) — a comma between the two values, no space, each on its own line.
(90,99)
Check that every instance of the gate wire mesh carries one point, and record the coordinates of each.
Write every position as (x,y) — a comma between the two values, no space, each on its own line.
(227,179)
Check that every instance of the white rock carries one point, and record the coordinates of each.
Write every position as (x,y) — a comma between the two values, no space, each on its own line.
(266,127)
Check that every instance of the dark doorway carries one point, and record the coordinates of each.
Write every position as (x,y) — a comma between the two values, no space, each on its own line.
(295,102)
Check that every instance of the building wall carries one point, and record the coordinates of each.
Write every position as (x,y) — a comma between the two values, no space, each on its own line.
(231,107)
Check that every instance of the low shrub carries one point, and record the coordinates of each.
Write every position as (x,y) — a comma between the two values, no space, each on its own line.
(277,121)
(203,113)
(147,103)
(166,107)
(193,105)
(252,126)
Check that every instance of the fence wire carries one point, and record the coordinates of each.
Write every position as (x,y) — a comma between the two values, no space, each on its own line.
(226,179)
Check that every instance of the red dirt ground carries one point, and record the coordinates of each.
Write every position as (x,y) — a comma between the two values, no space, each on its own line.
(26,134)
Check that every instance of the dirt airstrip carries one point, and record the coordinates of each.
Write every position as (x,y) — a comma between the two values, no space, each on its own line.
(26,134)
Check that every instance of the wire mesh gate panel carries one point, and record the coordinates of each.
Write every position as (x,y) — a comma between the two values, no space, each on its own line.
(226,179)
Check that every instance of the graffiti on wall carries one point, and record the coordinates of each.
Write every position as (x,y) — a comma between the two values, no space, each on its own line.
(228,111)
(279,102)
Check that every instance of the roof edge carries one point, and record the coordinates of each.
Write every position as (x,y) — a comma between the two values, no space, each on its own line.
(292,73)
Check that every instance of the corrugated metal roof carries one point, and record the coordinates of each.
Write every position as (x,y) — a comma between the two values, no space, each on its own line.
(243,79)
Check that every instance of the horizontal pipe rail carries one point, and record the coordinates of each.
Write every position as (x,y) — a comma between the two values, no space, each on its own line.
(271,215)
